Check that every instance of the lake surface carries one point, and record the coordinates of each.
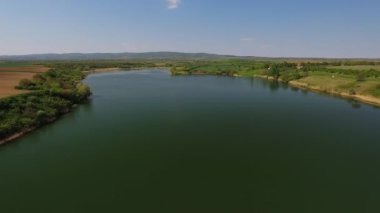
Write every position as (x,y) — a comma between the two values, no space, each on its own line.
(150,142)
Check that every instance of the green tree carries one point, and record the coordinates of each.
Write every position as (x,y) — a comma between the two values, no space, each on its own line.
(361,76)
(274,71)
(26,84)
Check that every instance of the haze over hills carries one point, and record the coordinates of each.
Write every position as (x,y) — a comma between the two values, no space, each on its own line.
(146,56)
(117,56)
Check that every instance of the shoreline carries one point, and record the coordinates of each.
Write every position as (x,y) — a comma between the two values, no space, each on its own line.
(370,100)
(16,136)
(296,84)
(118,69)
(102,70)
(29,130)
(373,101)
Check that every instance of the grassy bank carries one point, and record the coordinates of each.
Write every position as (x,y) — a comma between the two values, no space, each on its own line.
(55,92)
(359,80)
(51,94)
(347,86)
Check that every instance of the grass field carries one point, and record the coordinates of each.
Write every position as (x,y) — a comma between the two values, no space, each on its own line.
(357,67)
(343,83)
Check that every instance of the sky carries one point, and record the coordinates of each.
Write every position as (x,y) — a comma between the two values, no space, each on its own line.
(274,28)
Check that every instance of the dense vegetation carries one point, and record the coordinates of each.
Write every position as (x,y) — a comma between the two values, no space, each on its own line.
(285,71)
(55,92)
(347,76)
(98,64)
(52,94)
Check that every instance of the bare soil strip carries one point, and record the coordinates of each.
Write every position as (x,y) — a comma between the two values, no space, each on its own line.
(11,76)
(31,68)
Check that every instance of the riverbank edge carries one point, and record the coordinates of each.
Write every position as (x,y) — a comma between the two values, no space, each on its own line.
(370,100)
(31,129)
(20,134)
(360,98)
(15,136)
(296,84)
(373,101)
(102,70)
(118,69)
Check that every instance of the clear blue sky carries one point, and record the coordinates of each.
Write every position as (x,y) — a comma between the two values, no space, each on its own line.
(307,28)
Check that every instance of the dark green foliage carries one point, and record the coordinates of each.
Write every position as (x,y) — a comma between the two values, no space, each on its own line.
(274,71)
(30,110)
(355,63)
(54,94)
(361,76)
(286,71)
(56,91)
(26,84)
(291,75)
(218,67)
(367,73)
(91,65)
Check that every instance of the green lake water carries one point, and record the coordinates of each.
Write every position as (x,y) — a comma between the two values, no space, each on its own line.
(150,142)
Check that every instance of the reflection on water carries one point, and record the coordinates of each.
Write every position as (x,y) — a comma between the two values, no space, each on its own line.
(295,89)
(274,85)
(148,142)
(354,104)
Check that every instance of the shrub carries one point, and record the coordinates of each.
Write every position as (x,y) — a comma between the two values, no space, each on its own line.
(361,76)
(352,92)
(26,84)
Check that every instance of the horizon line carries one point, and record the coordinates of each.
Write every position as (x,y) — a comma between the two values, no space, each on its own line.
(178,52)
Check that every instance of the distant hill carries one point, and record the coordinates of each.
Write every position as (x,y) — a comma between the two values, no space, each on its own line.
(153,56)
(116,56)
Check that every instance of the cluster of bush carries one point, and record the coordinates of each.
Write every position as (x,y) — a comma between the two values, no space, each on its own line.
(230,67)
(56,91)
(97,64)
(52,94)
(287,71)
(291,71)
(358,73)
